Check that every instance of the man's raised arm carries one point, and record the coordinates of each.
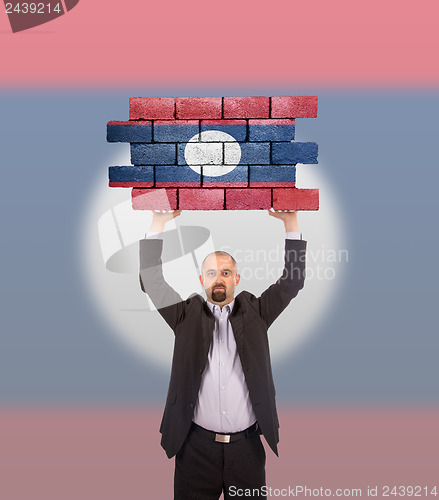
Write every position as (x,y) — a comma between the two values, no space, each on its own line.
(277,297)
(167,301)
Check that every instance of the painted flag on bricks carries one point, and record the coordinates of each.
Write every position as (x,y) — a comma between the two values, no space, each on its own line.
(215,153)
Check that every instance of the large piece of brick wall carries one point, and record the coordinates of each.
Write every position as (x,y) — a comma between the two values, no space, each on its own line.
(215,153)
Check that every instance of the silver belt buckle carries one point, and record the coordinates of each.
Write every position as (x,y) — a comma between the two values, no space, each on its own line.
(222,438)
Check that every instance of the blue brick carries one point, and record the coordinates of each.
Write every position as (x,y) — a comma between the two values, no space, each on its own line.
(176,176)
(252,153)
(268,174)
(238,132)
(131,174)
(153,154)
(175,133)
(284,153)
(261,133)
(239,175)
(129,133)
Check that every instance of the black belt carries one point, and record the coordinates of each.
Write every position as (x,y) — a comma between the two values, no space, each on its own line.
(225,438)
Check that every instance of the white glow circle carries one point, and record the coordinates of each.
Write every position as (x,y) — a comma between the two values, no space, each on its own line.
(217,152)
(255,239)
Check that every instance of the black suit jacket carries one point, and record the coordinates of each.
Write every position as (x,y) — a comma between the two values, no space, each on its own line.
(193,324)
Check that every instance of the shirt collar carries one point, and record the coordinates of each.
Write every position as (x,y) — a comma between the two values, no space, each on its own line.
(229,306)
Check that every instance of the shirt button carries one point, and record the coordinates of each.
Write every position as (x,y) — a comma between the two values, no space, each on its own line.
(222,340)
(224,412)
(222,364)
(222,387)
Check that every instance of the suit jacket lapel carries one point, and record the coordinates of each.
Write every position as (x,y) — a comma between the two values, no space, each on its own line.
(236,319)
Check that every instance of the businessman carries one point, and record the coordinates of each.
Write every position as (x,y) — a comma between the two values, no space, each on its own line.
(221,395)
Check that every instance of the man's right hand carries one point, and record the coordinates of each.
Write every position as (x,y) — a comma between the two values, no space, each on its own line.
(289,218)
(160,218)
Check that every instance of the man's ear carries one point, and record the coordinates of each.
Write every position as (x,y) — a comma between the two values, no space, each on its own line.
(238,277)
(201,280)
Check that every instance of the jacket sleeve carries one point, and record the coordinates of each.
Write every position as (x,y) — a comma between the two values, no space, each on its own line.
(277,297)
(167,301)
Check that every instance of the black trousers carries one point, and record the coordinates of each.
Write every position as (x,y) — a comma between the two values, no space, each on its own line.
(205,468)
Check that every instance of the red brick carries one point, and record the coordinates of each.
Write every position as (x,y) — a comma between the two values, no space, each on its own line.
(294,107)
(285,199)
(247,107)
(295,199)
(152,108)
(154,199)
(248,199)
(199,107)
(201,199)
(308,199)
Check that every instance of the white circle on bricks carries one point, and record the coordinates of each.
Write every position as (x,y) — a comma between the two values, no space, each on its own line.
(217,152)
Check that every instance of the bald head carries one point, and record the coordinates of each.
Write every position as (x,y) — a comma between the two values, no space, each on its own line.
(218,253)
(219,277)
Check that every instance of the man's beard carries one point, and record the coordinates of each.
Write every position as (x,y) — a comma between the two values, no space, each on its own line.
(219,295)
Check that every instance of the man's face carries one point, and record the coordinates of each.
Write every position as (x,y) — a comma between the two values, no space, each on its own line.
(219,279)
